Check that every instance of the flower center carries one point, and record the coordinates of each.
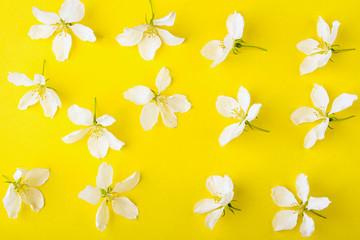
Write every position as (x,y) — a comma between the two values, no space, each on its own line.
(62,26)
(239,114)
(151,31)
(95,131)
(324,46)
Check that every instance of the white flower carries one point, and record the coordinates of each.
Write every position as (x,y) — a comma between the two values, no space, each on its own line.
(217,50)
(319,53)
(229,107)
(48,98)
(23,188)
(147,36)
(287,219)
(222,190)
(100,139)
(121,205)
(320,100)
(71,11)
(155,103)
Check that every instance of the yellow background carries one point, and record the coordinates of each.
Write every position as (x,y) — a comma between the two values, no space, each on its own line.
(174,163)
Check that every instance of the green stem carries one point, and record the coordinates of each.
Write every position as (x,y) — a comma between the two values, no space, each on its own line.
(43,70)
(253,126)
(342,50)
(341,119)
(94,120)
(152,12)
(317,214)
(254,47)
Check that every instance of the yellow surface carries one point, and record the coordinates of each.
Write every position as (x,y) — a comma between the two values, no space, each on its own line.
(174,163)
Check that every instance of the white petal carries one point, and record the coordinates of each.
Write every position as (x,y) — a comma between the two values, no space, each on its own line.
(41,31)
(80,116)
(334,31)
(36,177)
(253,112)
(213,217)
(149,115)
(342,102)
(166,21)
(324,58)
(83,32)
(308,46)
(90,194)
(304,114)
(178,103)
(139,95)
(39,79)
(45,17)
(309,64)
(323,30)
(105,120)
(168,116)
(219,186)
(124,207)
(231,132)
(128,183)
(61,46)
(33,197)
(72,11)
(163,79)
(285,220)
(148,46)
(98,146)
(205,206)
(102,216)
(320,97)
(243,98)
(12,202)
(19,173)
(302,187)
(29,99)
(105,176)
(318,203)
(50,102)
(131,36)
(316,133)
(307,227)
(75,136)
(226,106)
(169,38)
(212,50)
(283,197)
(114,143)
(235,25)
(228,46)
(20,79)
(227,199)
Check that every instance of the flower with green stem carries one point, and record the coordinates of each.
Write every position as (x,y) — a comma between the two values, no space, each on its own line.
(239,110)
(111,196)
(148,36)
(217,50)
(319,53)
(100,139)
(320,100)
(71,11)
(47,96)
(287,219)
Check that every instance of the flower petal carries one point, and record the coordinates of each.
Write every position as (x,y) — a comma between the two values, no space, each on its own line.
(166,21)
(29,99)
(102,216)
(309,64)
(114,143)
(105,120)
(230,132)
(205,206)
(128,183)
(318,203)
(235,25)
(61,46)
(243,98)
(72,11)
(253,112)
(307,227)
(36,177)
(98,146)
(83,32)
(228,46)
(316,133)
(323,30)
(226,106)
(39,79)
(41,31)
(139,95)
(19,173)
(334,31)
(20,79)
(227,199)
(75,136)
(168,116)
(105,176)
(80,116)
(304,114)
(149,115)
(50,102)
(163,79)
(124,207)
(302,187)
(285,220)
(308,46)
(131,36)
(148,46)
(90,194)
(320,97)
(169,38)
(219,186)
(342,102)
(12,202)
(212,50)
(179,103)
(324,59)
(283,197)
(47,18)
(33,197)
(213,217)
